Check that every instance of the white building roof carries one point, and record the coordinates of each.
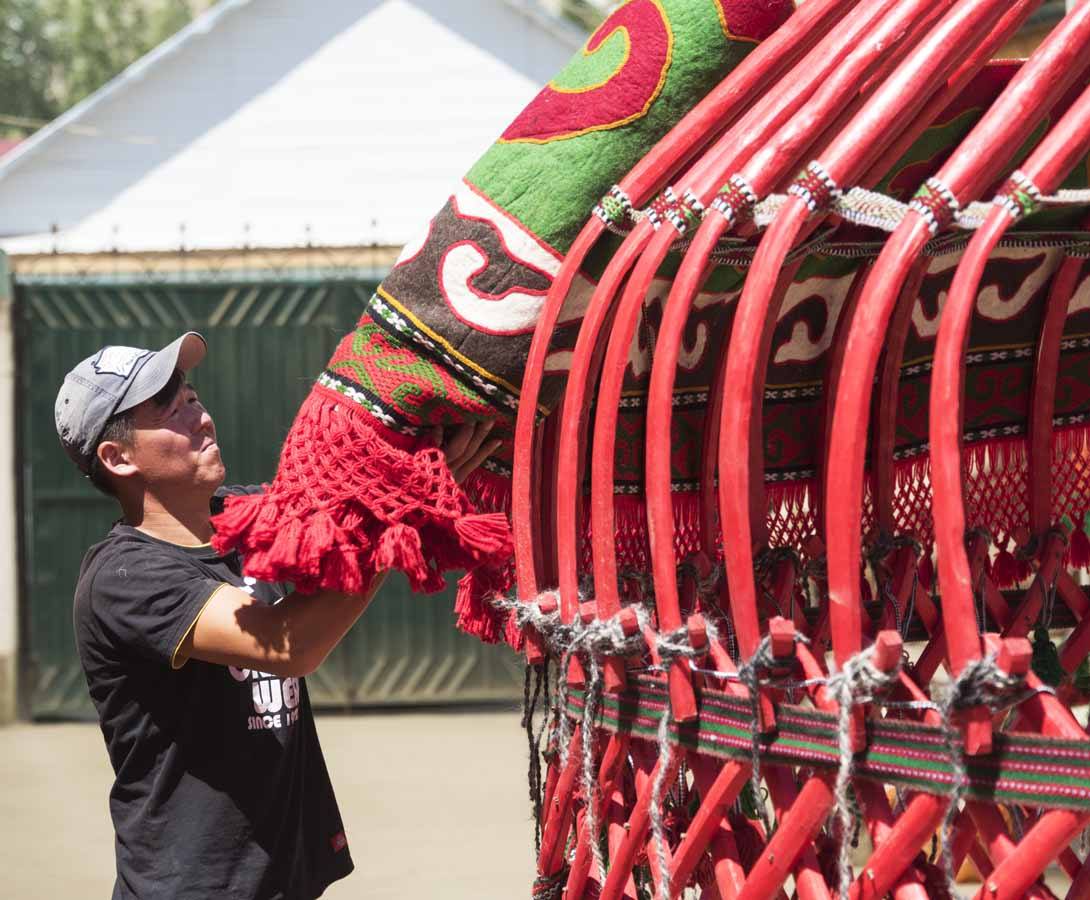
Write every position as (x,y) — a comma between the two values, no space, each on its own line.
(281,123)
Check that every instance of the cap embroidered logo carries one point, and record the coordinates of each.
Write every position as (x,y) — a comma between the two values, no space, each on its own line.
(118,360)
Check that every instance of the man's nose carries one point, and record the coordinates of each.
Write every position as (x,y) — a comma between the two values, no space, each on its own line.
(203,418)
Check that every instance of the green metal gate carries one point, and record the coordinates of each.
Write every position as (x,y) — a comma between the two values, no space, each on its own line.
(267,341)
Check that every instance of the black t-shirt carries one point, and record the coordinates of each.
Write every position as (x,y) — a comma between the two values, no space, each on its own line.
(221,790)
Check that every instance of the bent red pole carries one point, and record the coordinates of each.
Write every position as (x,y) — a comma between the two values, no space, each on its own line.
(841,163)
(964,176)
(779,103)
(729,155)
(767,61)
(1058,63)
(848,158)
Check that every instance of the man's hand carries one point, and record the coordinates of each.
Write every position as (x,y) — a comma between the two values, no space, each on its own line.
(466,446)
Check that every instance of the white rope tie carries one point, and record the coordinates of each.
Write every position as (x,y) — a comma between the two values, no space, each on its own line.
(858,682)
(671,646)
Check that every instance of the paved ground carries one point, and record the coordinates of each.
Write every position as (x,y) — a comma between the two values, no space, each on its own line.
(434,805)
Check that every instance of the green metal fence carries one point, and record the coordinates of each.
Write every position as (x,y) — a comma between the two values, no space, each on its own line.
(267,340)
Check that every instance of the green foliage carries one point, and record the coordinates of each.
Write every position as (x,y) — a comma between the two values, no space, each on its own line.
(53,53)
(28,59)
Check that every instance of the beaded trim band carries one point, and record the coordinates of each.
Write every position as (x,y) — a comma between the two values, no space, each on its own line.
(1020,197)
(735,199)
(816,187)
(936,203)
(687,213)
(661,207)
(615,207)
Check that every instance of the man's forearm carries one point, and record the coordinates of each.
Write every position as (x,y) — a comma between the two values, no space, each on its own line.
(315,623)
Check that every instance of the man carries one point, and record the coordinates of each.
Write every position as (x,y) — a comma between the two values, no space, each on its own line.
(197,672)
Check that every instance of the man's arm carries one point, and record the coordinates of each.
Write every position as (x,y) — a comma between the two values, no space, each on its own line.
(293,637)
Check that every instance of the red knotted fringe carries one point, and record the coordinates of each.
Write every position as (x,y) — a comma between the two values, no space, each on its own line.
(475,614)
(1006,571)
(1079,548)
(352,498)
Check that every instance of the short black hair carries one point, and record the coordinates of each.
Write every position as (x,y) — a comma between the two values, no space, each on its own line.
(120,429)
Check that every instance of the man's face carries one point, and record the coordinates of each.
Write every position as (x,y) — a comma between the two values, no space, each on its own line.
(174,446)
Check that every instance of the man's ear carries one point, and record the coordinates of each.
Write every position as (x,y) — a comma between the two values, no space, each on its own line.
(116,458)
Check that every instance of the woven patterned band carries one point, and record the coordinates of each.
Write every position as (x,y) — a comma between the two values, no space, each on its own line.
(1024,769)
(614,208)
(816,187)
(735,199)
(1020,196)
(936,203)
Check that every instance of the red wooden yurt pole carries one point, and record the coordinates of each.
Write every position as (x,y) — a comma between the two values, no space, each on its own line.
(727,157)
(656,480)
(848,157)
(777,104)
(765,64)
(866,337)
(569,461)
(1044,79)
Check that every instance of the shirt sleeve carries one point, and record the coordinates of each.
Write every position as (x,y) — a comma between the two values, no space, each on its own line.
(148,600)
(233,490)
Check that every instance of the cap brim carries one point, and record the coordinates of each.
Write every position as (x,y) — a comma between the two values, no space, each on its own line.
(185,353)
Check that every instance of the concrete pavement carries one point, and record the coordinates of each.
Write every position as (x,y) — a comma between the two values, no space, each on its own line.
(434,803)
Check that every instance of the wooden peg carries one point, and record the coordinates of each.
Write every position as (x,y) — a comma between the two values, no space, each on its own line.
(698,631)
(1014,656)
(782,632)
(887,650)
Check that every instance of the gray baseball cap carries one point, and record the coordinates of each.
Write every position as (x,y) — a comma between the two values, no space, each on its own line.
(114,380)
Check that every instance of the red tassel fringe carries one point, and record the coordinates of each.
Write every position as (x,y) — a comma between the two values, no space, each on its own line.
(351,499)
(1080,545)
(474,612)
(1005,569)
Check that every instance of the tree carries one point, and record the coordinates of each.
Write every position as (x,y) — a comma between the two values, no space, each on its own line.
(28,60)
(53,53)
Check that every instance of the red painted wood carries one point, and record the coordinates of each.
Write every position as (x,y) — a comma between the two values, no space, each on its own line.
(885,413)
(717,795)
(831,376)
(551,857)
(1043,402)
(639,824)
(730,152)
(845,474)
(1036,88)
(978,56)
(844,544)
(770,59)
(776,862)
(876,819)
